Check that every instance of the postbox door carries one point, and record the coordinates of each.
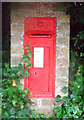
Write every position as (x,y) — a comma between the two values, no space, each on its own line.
(38,82)
(41,81)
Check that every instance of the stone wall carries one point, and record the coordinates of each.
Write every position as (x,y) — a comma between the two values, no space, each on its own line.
(21,10)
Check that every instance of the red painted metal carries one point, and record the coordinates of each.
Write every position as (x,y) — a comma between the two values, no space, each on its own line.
(41,32)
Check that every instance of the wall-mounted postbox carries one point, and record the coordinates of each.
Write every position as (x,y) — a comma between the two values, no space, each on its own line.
(41,32)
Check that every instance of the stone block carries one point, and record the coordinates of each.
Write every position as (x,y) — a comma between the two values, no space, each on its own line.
(58,91)
(62,72)
(17,29)
(62,82)
(59,103)
(17,49)
(63,61)
(16,39)
(15,60)
(25,10)
(63,18)
(34,102)
(18,11)
(46,112)
(62,51)
(64,29)
(17,17)
(45,7)
(48,102)
(62,40)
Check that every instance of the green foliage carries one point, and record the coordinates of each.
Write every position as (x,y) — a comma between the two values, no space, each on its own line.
(78,41)
(27,62)
(57,98)
(15,102)
(64,89)
(73,105)
(61,8)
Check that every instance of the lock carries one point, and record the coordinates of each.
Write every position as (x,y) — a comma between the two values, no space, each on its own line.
(35,73)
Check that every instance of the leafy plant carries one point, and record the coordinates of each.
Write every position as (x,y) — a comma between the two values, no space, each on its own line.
(57,98)
(15,101)
(73,105)
(27,62)
(64,89)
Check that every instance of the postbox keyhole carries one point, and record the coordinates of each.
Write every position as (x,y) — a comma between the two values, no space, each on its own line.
(35,73)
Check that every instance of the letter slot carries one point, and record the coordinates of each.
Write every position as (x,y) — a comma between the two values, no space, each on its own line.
(40,35)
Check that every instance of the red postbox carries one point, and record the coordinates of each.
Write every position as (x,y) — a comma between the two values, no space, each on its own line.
(41,32)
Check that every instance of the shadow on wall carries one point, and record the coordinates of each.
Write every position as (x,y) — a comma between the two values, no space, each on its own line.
(6,32)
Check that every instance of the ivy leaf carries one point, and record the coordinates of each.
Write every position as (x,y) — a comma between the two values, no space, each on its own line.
(29,66)
(66,98)
(57,98)
(29,54)
(25,55)
(22,106)
(75,116)
(12,75)
(26,73)
(20,66)
(5,115)
(75,98)
(26,47)
(7,65)
(15,69)
(81,54)
(21,113)
(29,62)
(75,43)
(30,93)
(19,85)
(64,89)
(57,109)
(79,113)
(26,91)
(59,115)
(65,116)
(12,116)
(42,115)
(12,111)
(26,64)
(75,40)
(14,102)
(28,51)
(25,59)
(20,77)
(61,8)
